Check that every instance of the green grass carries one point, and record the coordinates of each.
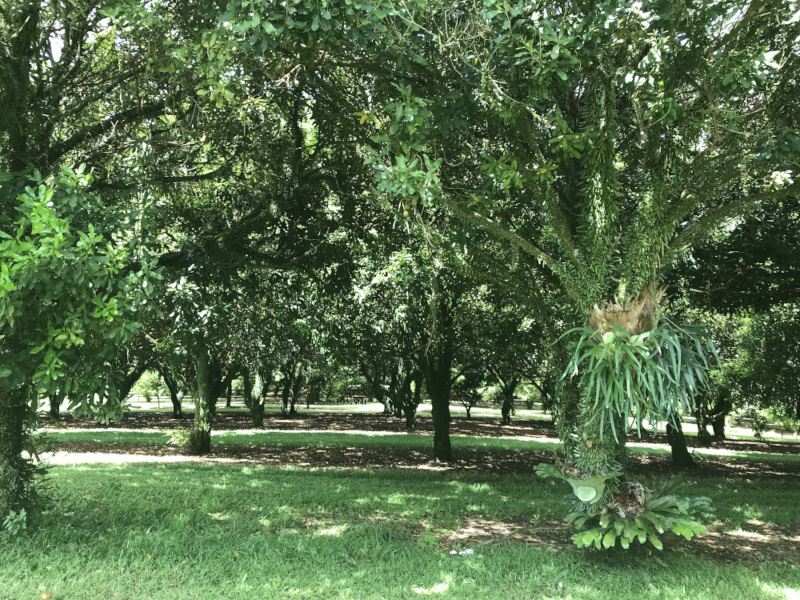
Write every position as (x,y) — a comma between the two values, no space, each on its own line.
(198,531)
(367,440)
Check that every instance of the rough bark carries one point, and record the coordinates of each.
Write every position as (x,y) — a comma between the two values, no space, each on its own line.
(702,420)
(438,365)
(718,427)
(205,393)
(297,387)
(681,458)
(15,472)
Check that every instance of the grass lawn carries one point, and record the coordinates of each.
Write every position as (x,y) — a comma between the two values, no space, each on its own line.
(416,441)
(208,531)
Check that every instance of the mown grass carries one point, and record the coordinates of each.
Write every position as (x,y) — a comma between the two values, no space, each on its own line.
(371,440)
(198,531)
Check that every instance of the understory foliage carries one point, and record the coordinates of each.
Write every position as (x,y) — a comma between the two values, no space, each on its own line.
(68,303)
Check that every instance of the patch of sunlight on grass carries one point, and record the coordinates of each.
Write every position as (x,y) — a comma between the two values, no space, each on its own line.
(481,487)
(749,512)
(396,499)
(219,516)
(336,530)
(790,593)
(439,588)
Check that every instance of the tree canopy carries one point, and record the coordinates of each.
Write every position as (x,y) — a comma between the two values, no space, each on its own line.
(421,192)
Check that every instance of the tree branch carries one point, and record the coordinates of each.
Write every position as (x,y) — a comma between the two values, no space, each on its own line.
(501,233)
(708,223)
(141,112)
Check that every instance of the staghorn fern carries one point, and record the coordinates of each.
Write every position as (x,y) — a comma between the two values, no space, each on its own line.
(653,375)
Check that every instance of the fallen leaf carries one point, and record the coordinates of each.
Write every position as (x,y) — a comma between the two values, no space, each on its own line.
(45,596)
(149,557)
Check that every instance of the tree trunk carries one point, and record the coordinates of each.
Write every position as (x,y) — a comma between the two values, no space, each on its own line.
(598,452)
(703,437)
(718,426)
(125,385)
(590,451)
(205,398)
(256,405)
(722,407)
(411,414)
(681,458)
(172,386)
(508,390)
(287,390)
(15,472)
(438,367)
(55,404)
(438,388)
(297,387)
(229,395)
(441,430)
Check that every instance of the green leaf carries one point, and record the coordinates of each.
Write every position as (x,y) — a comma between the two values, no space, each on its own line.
(656,542)
(609,540)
